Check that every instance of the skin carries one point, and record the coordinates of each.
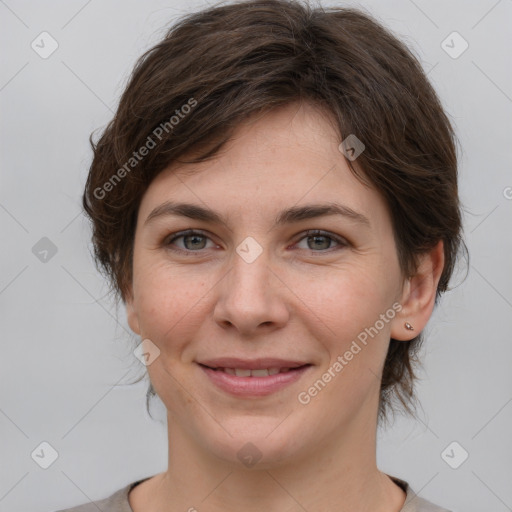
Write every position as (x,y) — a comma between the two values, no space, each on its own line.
(296,300)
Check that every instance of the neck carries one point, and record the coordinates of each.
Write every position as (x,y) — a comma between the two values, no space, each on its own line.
(338,474)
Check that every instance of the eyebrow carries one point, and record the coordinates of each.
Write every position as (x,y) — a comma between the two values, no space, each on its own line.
(288,216)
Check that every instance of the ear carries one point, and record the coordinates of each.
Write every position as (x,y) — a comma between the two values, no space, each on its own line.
(418,295)
(131,312)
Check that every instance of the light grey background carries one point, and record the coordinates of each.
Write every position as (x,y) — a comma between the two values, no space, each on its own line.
(66,361)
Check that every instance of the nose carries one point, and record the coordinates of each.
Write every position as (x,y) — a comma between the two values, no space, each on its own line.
(252,298)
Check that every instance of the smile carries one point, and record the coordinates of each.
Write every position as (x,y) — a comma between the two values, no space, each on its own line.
(243,372)
(253,382)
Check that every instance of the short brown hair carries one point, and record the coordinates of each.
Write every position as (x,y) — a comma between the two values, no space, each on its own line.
(228,62)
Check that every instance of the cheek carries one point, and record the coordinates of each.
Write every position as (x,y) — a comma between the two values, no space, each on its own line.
(170,310)
(344,308)
(345,314)
(167,301)
(344,301)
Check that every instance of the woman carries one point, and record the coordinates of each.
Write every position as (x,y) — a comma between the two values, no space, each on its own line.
(275,202)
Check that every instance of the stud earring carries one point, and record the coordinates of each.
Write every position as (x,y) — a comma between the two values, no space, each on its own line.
(409,326)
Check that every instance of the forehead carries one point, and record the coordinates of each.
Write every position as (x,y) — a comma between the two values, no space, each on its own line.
(285,157)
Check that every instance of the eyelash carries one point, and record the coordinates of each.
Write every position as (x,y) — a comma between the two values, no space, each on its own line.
(310,233)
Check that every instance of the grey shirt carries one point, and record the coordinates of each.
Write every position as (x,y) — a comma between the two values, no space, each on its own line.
(118,502)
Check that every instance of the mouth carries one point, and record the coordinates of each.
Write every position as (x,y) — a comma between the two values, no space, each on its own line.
(256,378)
(255,372)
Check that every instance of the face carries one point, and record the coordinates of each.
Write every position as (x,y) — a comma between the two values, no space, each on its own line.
(267,284)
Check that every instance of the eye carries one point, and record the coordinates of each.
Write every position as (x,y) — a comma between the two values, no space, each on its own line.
(193,241)
(320,241)
(196,241)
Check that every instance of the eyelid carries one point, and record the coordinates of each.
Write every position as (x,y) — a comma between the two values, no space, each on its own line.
(342,242)
(186,232)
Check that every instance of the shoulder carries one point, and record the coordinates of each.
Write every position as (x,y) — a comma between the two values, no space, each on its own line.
(418,504)
(413,502)
(117,502)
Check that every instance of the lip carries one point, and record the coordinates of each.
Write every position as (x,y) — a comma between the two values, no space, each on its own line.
(252,364)
(255,386)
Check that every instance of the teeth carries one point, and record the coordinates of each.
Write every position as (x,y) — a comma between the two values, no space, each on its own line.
(259,373)
(264,372)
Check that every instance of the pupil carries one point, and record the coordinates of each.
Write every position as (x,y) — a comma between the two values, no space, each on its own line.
(195,238)
(317,238)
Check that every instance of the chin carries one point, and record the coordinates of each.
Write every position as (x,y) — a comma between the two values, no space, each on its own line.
(252,446)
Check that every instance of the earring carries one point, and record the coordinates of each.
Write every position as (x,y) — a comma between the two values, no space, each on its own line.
(409,326)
